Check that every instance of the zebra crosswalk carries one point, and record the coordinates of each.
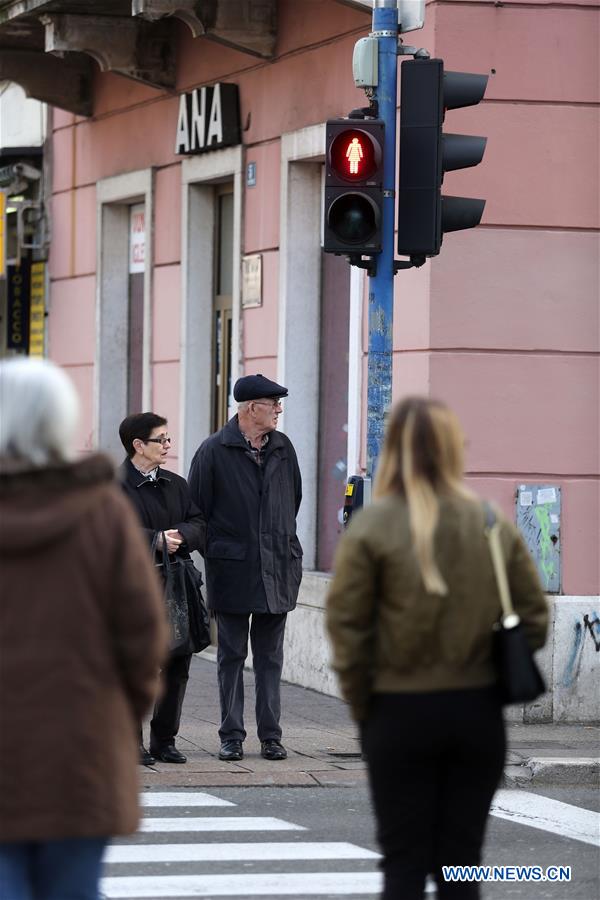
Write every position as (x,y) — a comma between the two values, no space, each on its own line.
(194,844)
(157,863)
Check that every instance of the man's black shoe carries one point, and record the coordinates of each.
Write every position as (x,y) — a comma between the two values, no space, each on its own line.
(169,755)
(231,751)
(272,749)
(146,758)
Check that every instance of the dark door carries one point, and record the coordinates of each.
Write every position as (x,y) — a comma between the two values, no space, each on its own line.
(333,413)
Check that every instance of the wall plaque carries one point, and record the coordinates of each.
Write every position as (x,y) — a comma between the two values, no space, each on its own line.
(252,281)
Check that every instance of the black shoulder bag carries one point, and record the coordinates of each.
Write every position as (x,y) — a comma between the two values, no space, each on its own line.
(519,678)
(186,612)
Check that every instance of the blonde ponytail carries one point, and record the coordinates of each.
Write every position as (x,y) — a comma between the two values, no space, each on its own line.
(424,510)
(422,459)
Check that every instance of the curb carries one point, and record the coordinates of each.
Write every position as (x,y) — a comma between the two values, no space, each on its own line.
(545,770)
(310,779)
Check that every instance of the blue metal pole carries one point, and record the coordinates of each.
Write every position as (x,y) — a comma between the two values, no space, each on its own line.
(381,286)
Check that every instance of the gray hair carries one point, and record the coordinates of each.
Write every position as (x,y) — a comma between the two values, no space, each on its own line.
(39,412)
(243,406)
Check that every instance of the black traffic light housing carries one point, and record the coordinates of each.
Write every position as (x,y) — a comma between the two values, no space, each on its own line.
(424,215)
(353,213)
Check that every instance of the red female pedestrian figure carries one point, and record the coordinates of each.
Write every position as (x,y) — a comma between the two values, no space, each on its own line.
(354,154)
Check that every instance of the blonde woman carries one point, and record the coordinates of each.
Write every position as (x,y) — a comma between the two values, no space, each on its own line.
(410,615)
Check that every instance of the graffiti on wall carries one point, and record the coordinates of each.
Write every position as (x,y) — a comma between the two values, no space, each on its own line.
(586,633)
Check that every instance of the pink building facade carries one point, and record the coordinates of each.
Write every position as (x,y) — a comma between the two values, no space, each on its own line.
(229,278)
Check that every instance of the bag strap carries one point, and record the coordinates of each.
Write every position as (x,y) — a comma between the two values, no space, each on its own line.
(166,561)
(492,533)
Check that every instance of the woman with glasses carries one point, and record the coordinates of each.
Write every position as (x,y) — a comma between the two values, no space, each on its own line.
(164,506)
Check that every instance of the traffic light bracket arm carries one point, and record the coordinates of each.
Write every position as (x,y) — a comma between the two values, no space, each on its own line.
(370,263)
(419,53)
(415,262)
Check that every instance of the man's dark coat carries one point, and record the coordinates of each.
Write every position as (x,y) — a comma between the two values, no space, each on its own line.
(253,558)
(164,504)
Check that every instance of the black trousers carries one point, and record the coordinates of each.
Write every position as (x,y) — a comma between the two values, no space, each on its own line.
(434,762)
(266,637)
(167,712)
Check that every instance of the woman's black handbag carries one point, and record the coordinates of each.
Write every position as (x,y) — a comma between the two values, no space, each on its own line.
(186,612)
(519,679)
(199,620)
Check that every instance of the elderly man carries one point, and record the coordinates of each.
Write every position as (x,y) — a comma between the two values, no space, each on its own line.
(246,482)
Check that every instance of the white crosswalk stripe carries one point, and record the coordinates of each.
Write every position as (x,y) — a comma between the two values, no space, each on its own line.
(537,811)
(222,823)
(246,885)
(235,852)
(181,798)
(130,861)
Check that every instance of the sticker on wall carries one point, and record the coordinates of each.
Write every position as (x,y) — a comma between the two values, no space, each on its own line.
(538,519)
(137,238)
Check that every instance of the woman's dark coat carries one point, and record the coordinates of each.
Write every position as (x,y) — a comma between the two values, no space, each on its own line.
(164,504)
(253,558)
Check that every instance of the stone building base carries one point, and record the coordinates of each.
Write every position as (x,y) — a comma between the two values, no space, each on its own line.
(570,661)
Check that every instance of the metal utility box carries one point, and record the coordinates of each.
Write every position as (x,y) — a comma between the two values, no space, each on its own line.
(538,519)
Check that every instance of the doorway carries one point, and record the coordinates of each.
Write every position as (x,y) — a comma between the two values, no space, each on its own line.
(223,305)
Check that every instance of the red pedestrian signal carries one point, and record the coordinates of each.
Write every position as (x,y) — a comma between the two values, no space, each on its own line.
(353,155)
(354,186)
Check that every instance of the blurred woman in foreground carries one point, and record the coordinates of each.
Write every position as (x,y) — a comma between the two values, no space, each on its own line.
(82,637)
(410,614)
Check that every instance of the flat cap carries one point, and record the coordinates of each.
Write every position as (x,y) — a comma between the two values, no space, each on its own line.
(253,387)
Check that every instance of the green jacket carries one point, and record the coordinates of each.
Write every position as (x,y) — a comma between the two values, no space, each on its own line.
(389,635)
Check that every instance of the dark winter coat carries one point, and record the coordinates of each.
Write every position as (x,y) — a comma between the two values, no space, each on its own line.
(164,504)
(82,637)
(253,558)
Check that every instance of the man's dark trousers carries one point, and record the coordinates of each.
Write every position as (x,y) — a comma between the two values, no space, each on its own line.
(167,712)
(266,639)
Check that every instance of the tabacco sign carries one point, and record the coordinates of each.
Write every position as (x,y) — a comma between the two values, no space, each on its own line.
(17,297)
(209,118)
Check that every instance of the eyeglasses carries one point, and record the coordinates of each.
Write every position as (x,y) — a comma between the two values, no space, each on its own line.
(163,439)
(272,403)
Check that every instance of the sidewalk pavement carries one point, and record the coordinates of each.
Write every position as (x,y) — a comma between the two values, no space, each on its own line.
(323,747)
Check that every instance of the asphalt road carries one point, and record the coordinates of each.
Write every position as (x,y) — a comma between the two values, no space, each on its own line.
(318,842)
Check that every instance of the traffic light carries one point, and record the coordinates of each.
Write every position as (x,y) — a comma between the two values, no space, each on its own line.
(353,186)
(424,215)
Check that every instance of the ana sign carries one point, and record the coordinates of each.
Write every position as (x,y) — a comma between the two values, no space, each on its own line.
(209,118)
